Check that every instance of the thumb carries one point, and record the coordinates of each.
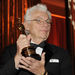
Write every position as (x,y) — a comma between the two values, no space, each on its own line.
(29,37)
(43,57)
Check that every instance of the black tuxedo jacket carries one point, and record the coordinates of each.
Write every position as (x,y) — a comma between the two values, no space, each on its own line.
(57,59)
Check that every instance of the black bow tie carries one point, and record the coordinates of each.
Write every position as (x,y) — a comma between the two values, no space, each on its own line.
(42,44)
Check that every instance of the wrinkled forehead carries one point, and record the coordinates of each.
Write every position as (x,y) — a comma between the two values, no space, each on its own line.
(39,14)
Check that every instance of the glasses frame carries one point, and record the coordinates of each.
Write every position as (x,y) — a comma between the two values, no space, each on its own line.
(41,21)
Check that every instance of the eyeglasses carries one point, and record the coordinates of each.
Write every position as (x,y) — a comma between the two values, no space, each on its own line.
(41,21)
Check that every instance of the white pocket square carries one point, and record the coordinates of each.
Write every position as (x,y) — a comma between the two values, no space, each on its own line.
(54,60)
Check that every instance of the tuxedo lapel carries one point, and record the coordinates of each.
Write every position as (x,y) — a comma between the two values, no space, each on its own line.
(48,51)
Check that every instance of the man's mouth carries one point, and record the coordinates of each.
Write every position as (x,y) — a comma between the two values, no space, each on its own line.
(44,30)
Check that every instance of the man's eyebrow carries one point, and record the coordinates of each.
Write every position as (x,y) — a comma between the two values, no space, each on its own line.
(39,17)
(42,18)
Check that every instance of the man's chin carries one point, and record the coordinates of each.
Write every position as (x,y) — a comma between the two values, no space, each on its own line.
(44,38)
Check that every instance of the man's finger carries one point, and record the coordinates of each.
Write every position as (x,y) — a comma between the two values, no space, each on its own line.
(29,37)
(43,57)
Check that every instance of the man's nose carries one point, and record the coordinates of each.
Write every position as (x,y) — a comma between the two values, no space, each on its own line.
(45,23)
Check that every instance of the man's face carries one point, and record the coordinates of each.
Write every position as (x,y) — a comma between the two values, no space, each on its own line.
(39,28)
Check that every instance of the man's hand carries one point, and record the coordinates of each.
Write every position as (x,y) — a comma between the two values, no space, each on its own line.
(23,41)
(33,65)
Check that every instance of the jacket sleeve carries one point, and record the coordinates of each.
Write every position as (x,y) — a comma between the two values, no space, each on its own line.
(7,65)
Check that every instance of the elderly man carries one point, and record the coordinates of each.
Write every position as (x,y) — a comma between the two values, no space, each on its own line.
(54,60)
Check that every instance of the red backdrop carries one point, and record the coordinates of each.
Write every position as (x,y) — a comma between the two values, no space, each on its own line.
(58,32)
(12,9)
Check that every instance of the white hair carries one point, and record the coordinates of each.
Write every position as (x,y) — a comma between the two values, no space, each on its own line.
(39,7)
